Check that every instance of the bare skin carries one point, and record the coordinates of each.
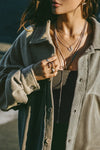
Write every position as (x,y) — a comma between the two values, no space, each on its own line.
(70,21)
(43,70)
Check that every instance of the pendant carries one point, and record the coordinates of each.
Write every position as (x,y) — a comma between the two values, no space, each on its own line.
(70,48)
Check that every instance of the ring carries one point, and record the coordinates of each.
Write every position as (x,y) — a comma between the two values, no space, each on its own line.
(47,60)
(53,70)
(50,64)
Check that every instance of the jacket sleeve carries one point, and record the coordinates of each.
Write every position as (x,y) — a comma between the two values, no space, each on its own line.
(16,80)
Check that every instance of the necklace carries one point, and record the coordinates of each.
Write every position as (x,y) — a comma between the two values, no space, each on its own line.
(67,63)
(64,42)
(73,51)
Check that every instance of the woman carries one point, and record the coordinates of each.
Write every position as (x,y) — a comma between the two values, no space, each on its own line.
(52,75)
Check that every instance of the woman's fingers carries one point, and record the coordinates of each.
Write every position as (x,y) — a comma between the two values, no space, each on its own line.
(53,58)
(48,60)
(47,68)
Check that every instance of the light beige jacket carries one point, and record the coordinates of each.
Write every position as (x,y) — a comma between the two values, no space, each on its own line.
(19,89)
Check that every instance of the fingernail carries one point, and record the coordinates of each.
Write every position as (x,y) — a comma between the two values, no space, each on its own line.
(54,55)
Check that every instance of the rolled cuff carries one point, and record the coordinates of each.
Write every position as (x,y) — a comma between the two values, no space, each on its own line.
(29,81)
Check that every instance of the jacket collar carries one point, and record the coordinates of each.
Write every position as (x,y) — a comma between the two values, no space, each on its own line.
(96,28)
(42,34)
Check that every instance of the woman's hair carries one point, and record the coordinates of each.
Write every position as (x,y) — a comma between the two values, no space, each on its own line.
(90,8)
(39,11)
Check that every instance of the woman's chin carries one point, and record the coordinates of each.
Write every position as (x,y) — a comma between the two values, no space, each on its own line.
(55,12)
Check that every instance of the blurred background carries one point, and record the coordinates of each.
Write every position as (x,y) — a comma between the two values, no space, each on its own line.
(10,14)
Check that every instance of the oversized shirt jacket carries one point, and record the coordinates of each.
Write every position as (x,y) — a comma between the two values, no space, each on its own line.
(19,89)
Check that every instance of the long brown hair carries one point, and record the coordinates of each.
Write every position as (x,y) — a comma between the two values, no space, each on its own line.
(90,8)
(39,11)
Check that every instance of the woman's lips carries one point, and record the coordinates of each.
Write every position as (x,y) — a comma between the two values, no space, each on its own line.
(55,4)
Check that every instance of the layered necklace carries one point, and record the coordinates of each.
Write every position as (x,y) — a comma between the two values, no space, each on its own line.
(73,49)
(63,42)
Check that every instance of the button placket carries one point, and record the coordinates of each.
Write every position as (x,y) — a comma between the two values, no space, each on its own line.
(77,102)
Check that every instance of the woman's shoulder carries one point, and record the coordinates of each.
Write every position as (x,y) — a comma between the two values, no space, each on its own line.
(96,33)
(27,32)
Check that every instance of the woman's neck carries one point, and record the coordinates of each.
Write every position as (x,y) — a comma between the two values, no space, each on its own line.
(71,24)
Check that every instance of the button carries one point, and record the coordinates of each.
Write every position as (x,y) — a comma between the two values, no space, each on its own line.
(47,141)
(80,79)
(49,109)
(69,140)
(74,110)
(32,87)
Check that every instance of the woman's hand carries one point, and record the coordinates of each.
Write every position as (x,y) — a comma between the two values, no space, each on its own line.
(46,68)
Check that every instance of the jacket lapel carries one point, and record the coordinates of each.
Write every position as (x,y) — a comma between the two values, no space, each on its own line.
(41,34)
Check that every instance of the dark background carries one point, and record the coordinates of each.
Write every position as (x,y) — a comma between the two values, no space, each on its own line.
(10,14)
